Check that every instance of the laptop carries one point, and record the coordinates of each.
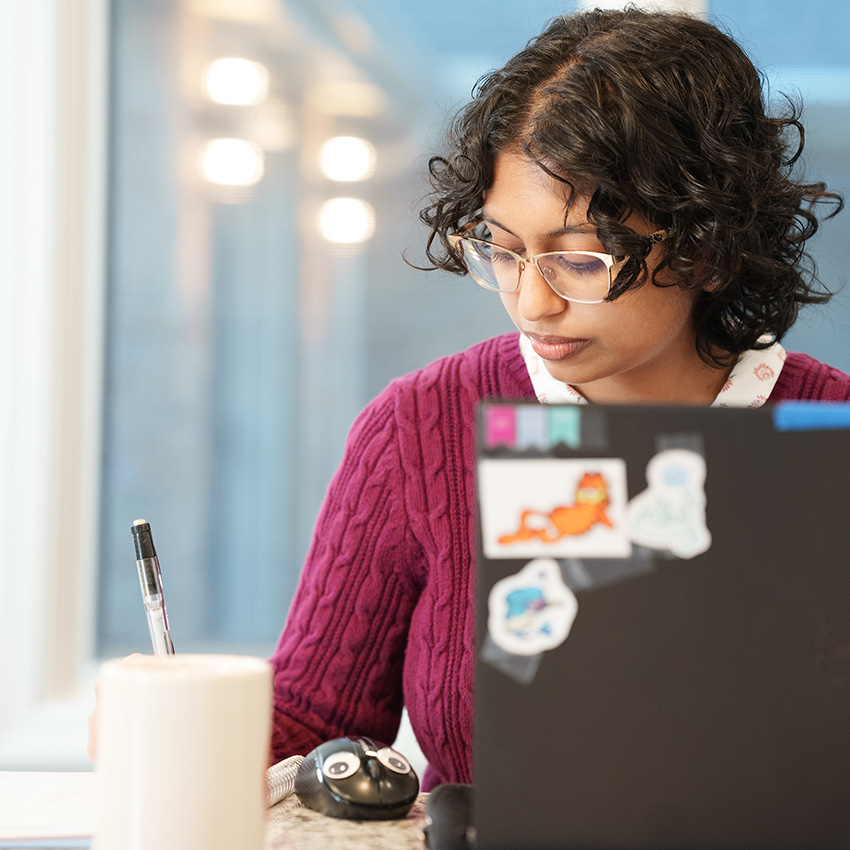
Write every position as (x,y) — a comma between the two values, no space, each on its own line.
(663,628)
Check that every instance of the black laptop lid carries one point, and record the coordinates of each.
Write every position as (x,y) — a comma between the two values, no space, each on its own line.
(664,642)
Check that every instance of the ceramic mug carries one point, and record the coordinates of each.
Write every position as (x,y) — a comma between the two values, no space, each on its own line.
(183,747)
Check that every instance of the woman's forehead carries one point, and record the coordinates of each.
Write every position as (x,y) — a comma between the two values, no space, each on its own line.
(522,191)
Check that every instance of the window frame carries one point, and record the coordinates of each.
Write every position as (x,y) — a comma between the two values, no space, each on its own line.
(54,96)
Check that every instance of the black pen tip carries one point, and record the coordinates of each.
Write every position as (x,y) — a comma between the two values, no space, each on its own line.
(143,539)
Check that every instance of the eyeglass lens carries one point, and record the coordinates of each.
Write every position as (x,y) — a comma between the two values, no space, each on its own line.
(573,275)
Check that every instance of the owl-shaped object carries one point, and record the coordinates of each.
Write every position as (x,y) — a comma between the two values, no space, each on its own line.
(357,778)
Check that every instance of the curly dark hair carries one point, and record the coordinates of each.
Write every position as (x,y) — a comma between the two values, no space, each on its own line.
(660,114)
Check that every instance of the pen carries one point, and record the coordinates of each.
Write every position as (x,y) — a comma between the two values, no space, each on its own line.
(151,581)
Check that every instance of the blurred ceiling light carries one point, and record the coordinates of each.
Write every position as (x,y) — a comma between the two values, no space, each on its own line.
(347,158)
(232,162)
(346,221)
(346,98)
(236,82)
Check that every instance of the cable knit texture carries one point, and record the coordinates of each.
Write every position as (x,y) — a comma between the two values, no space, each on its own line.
(383,615)
(804,378)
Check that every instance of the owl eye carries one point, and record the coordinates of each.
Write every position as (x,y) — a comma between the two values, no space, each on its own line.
(341,765)
(392,760)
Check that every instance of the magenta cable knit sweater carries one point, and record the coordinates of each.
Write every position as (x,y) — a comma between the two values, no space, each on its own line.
(383,615)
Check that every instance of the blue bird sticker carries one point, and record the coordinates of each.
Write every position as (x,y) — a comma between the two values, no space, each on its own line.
(533,610)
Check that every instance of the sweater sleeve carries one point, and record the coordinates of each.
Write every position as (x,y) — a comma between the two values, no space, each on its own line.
(338,663)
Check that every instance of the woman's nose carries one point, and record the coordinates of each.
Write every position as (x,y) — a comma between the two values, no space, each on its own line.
(537,300)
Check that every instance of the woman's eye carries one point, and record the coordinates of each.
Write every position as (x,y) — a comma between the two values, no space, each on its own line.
(580,264)
(497,255)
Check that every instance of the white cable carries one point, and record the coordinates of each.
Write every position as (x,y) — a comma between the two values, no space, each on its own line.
(280,779)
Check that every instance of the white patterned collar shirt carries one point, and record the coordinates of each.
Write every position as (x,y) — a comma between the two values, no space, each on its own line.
(749,384)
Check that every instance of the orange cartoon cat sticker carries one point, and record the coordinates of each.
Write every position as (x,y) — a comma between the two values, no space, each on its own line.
(569,507)
(591,500)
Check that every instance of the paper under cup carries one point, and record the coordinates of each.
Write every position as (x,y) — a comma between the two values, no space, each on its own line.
(183,744)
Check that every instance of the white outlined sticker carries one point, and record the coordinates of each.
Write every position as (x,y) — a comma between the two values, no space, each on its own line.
(561,508)
(532,610)
(670,513)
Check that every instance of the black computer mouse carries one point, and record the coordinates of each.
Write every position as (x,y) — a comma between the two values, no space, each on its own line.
(448,818)
(357,778)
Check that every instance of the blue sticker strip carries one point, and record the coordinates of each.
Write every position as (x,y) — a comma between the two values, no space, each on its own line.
(565,426)
(532,426)
(811,416)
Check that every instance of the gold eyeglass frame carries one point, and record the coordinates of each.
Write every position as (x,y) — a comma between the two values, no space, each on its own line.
(610,260)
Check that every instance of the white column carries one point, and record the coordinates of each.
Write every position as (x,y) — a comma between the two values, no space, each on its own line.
(52,169)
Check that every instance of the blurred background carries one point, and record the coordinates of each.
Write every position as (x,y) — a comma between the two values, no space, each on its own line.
(207,206)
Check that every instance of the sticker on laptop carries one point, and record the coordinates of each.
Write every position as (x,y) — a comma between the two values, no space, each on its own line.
(561,508)
(670,513)
(531,611)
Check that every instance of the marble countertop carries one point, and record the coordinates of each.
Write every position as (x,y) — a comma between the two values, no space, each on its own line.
(62,805)
(291,826)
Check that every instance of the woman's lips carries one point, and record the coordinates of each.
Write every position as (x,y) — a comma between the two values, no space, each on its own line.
(556,347)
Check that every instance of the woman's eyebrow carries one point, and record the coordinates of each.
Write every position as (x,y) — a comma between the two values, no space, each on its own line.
(584,227)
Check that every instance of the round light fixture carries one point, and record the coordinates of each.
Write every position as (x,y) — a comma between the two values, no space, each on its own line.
(236,82)
(347,159)
(232,162)
(346,221)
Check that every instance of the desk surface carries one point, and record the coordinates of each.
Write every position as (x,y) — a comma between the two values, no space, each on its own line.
(63,804)
(291,826)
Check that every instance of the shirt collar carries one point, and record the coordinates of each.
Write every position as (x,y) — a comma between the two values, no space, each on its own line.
(750,382)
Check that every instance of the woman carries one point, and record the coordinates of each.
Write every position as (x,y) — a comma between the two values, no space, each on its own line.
(620,186)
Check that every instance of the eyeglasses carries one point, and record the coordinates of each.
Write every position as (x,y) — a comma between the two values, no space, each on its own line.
(583,277)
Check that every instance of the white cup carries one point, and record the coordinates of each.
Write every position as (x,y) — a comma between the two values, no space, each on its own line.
(183,747)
